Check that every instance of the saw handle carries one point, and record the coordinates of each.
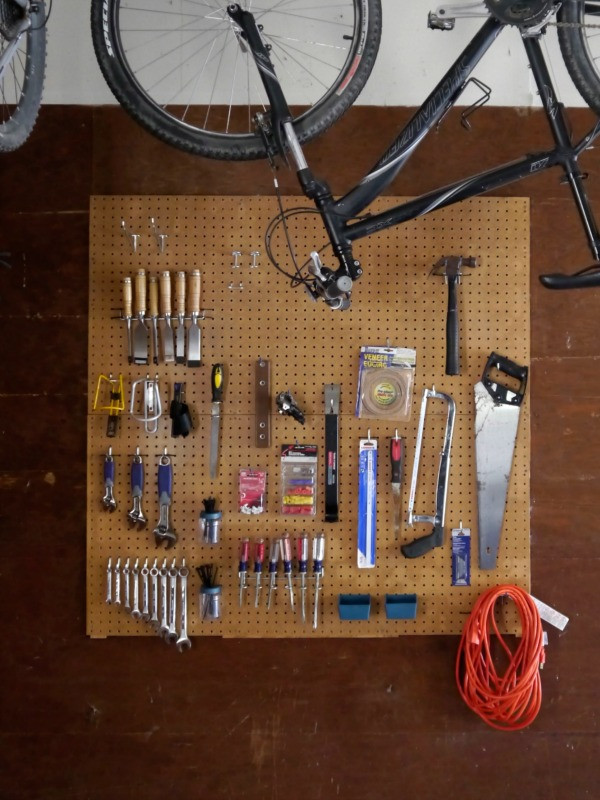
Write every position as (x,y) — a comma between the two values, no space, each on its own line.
(418,547)
(452,344)
(165,293)
(505,394)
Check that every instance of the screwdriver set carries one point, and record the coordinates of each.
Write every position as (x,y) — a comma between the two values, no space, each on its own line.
(186,434)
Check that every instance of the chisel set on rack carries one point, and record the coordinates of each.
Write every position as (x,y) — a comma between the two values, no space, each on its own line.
(147,321)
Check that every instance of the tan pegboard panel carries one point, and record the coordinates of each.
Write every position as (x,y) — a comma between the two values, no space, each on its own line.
(308,345)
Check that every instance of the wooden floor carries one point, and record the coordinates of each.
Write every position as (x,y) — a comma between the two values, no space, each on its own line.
(83,719)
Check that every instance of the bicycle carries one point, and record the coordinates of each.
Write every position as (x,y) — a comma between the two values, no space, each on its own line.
(22,68)
(132,39)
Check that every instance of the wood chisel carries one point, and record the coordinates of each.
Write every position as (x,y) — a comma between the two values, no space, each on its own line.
(153,313)
(194,335)
(140,332)
(397,461)
(167,333)
(217,383)
(127,315)
(180,307)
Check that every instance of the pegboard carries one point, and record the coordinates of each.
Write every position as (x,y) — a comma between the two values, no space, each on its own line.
(308,345)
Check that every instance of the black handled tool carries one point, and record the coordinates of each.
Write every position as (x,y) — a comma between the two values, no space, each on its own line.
(450,268)
(217,384)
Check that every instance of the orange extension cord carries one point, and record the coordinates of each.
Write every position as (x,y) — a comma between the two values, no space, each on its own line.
(510,701)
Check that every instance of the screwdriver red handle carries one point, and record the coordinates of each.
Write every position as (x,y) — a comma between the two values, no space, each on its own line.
(397,458)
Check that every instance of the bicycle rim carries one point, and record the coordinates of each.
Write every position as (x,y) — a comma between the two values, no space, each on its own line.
(188,64)
(22,59)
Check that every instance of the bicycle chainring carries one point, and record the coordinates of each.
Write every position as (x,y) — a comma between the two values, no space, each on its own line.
(523,13)
(11,15)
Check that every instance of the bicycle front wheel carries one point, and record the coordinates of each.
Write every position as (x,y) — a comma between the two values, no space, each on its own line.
(182,71)
(579,37)
(22,67)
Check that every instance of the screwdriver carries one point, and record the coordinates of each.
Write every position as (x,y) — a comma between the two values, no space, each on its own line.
(286,555)
(302,556)
(397,459)
(259,557)
(318,556)
(243,569)
(273,563)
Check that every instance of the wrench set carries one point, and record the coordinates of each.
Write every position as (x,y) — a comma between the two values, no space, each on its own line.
(164,595)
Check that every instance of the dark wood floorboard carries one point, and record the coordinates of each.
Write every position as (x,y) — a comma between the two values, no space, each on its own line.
(87,720)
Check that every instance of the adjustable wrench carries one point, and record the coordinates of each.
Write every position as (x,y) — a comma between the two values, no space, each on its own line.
(135,611)
(136,515)
(163,532)
(164,623)
(126,584)
(171,635)
(183,642)
(145,593)
(154,595)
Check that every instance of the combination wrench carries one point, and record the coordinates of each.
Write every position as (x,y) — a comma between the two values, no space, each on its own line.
(164,595)
(135,611)
(171,635)
(145,593)
(109,581)
(117,600)
(154,594)
(183,642)
(126,604)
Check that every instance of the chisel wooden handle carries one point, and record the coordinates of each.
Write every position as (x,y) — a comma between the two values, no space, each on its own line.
(127,297)
(140,292)
(194,300)
(165,293)
(180,293)
(153,296)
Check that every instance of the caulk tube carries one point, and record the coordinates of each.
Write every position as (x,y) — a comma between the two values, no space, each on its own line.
(367,502)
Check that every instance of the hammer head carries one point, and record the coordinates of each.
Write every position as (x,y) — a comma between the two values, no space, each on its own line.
(451,266)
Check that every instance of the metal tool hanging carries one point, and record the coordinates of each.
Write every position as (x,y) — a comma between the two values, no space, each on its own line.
(424,544)
(497,411)
(145,405)
(114,404)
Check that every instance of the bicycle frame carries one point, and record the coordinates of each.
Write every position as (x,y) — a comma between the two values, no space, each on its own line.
(339,216)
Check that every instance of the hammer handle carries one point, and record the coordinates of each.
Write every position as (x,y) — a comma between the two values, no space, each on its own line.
(452,343)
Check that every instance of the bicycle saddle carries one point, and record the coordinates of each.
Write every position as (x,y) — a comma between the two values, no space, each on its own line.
(584,279)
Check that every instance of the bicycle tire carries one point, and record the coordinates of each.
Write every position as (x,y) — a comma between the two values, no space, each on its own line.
(22,80)
(580,47)
(110,37)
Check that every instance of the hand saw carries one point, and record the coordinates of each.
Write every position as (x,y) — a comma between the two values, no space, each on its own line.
(497,411)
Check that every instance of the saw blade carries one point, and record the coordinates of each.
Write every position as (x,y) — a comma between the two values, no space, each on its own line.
(496,427)
(214,438)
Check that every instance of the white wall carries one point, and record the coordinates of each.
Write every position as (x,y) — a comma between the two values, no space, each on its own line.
(410,62)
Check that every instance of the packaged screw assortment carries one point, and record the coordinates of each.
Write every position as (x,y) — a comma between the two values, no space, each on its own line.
(385,382)
(299,479)
(252,491)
